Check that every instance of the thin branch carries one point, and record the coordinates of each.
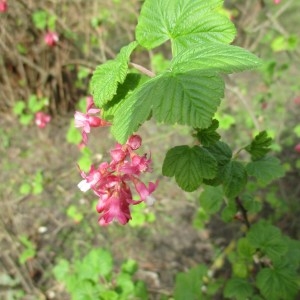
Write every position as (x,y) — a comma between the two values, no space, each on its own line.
(143,69)
(243,210)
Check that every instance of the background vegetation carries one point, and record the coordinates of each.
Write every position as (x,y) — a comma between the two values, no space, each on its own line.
(51,244)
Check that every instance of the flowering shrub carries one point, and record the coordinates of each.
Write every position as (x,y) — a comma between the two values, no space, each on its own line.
(188,92)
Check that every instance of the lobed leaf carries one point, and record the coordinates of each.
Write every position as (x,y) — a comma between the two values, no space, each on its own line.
(238,288)
(188,285)
(277,283)
(214,57)
(189,98)
(267,239)
(211,199)
(189,166)
(185,23)
(260,146)
(265,169)
(105,79)
(234,178)
(208,136)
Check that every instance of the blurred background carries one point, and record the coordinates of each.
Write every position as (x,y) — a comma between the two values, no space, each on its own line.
(48,227)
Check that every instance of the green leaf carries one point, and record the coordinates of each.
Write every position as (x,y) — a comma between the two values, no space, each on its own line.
(277,283)
(260,146)
(99,262)
(265,169)
(26,119)
(267,239)
(191,99)
(211,199)
(25,188)
(39,19)
(131,82)
(125,285)
(106,77)
(188,285)
(34,105)
(189,166)
(73,135)
(245,249)
(221,152)
(234,178)
(130,266)
(74,213)
(214,57)
(61,269)
(185,23)
(238,288)
(18,108)
(140,290)
(208,136)
(229,212)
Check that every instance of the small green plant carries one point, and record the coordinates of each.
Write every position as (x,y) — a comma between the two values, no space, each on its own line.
(25,111)
(30,250)
(93,278)
(34,185)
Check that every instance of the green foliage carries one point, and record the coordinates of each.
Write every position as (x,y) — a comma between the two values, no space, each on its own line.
(30,250)
(185,23)
(238,288)
(188,285)
(34,185)
(25,110)
(106,77)
(12,285)
(267,239)
(278,283)
(93,278)
(141,216)
(74,213)
(189,166)
(42,20)
(208,136)
(260,146)
(265,169)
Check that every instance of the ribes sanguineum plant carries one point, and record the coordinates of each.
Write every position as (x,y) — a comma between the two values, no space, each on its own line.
(187,92)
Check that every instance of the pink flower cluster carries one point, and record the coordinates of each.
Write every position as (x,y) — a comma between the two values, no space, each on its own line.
(3,6)
(42,119)
(276,1)
(51,38)
(112,182)
(88,119)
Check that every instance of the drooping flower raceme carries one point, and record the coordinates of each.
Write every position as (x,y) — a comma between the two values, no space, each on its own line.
(112,182)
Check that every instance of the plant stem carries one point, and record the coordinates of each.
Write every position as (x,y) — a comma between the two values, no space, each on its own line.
(243,211)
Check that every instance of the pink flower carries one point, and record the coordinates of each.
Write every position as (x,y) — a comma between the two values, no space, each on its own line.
(88,120)
(297,148)
(276,1)
(3,6)
(42,119)
(51,38)
(115,206)
(144,191)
